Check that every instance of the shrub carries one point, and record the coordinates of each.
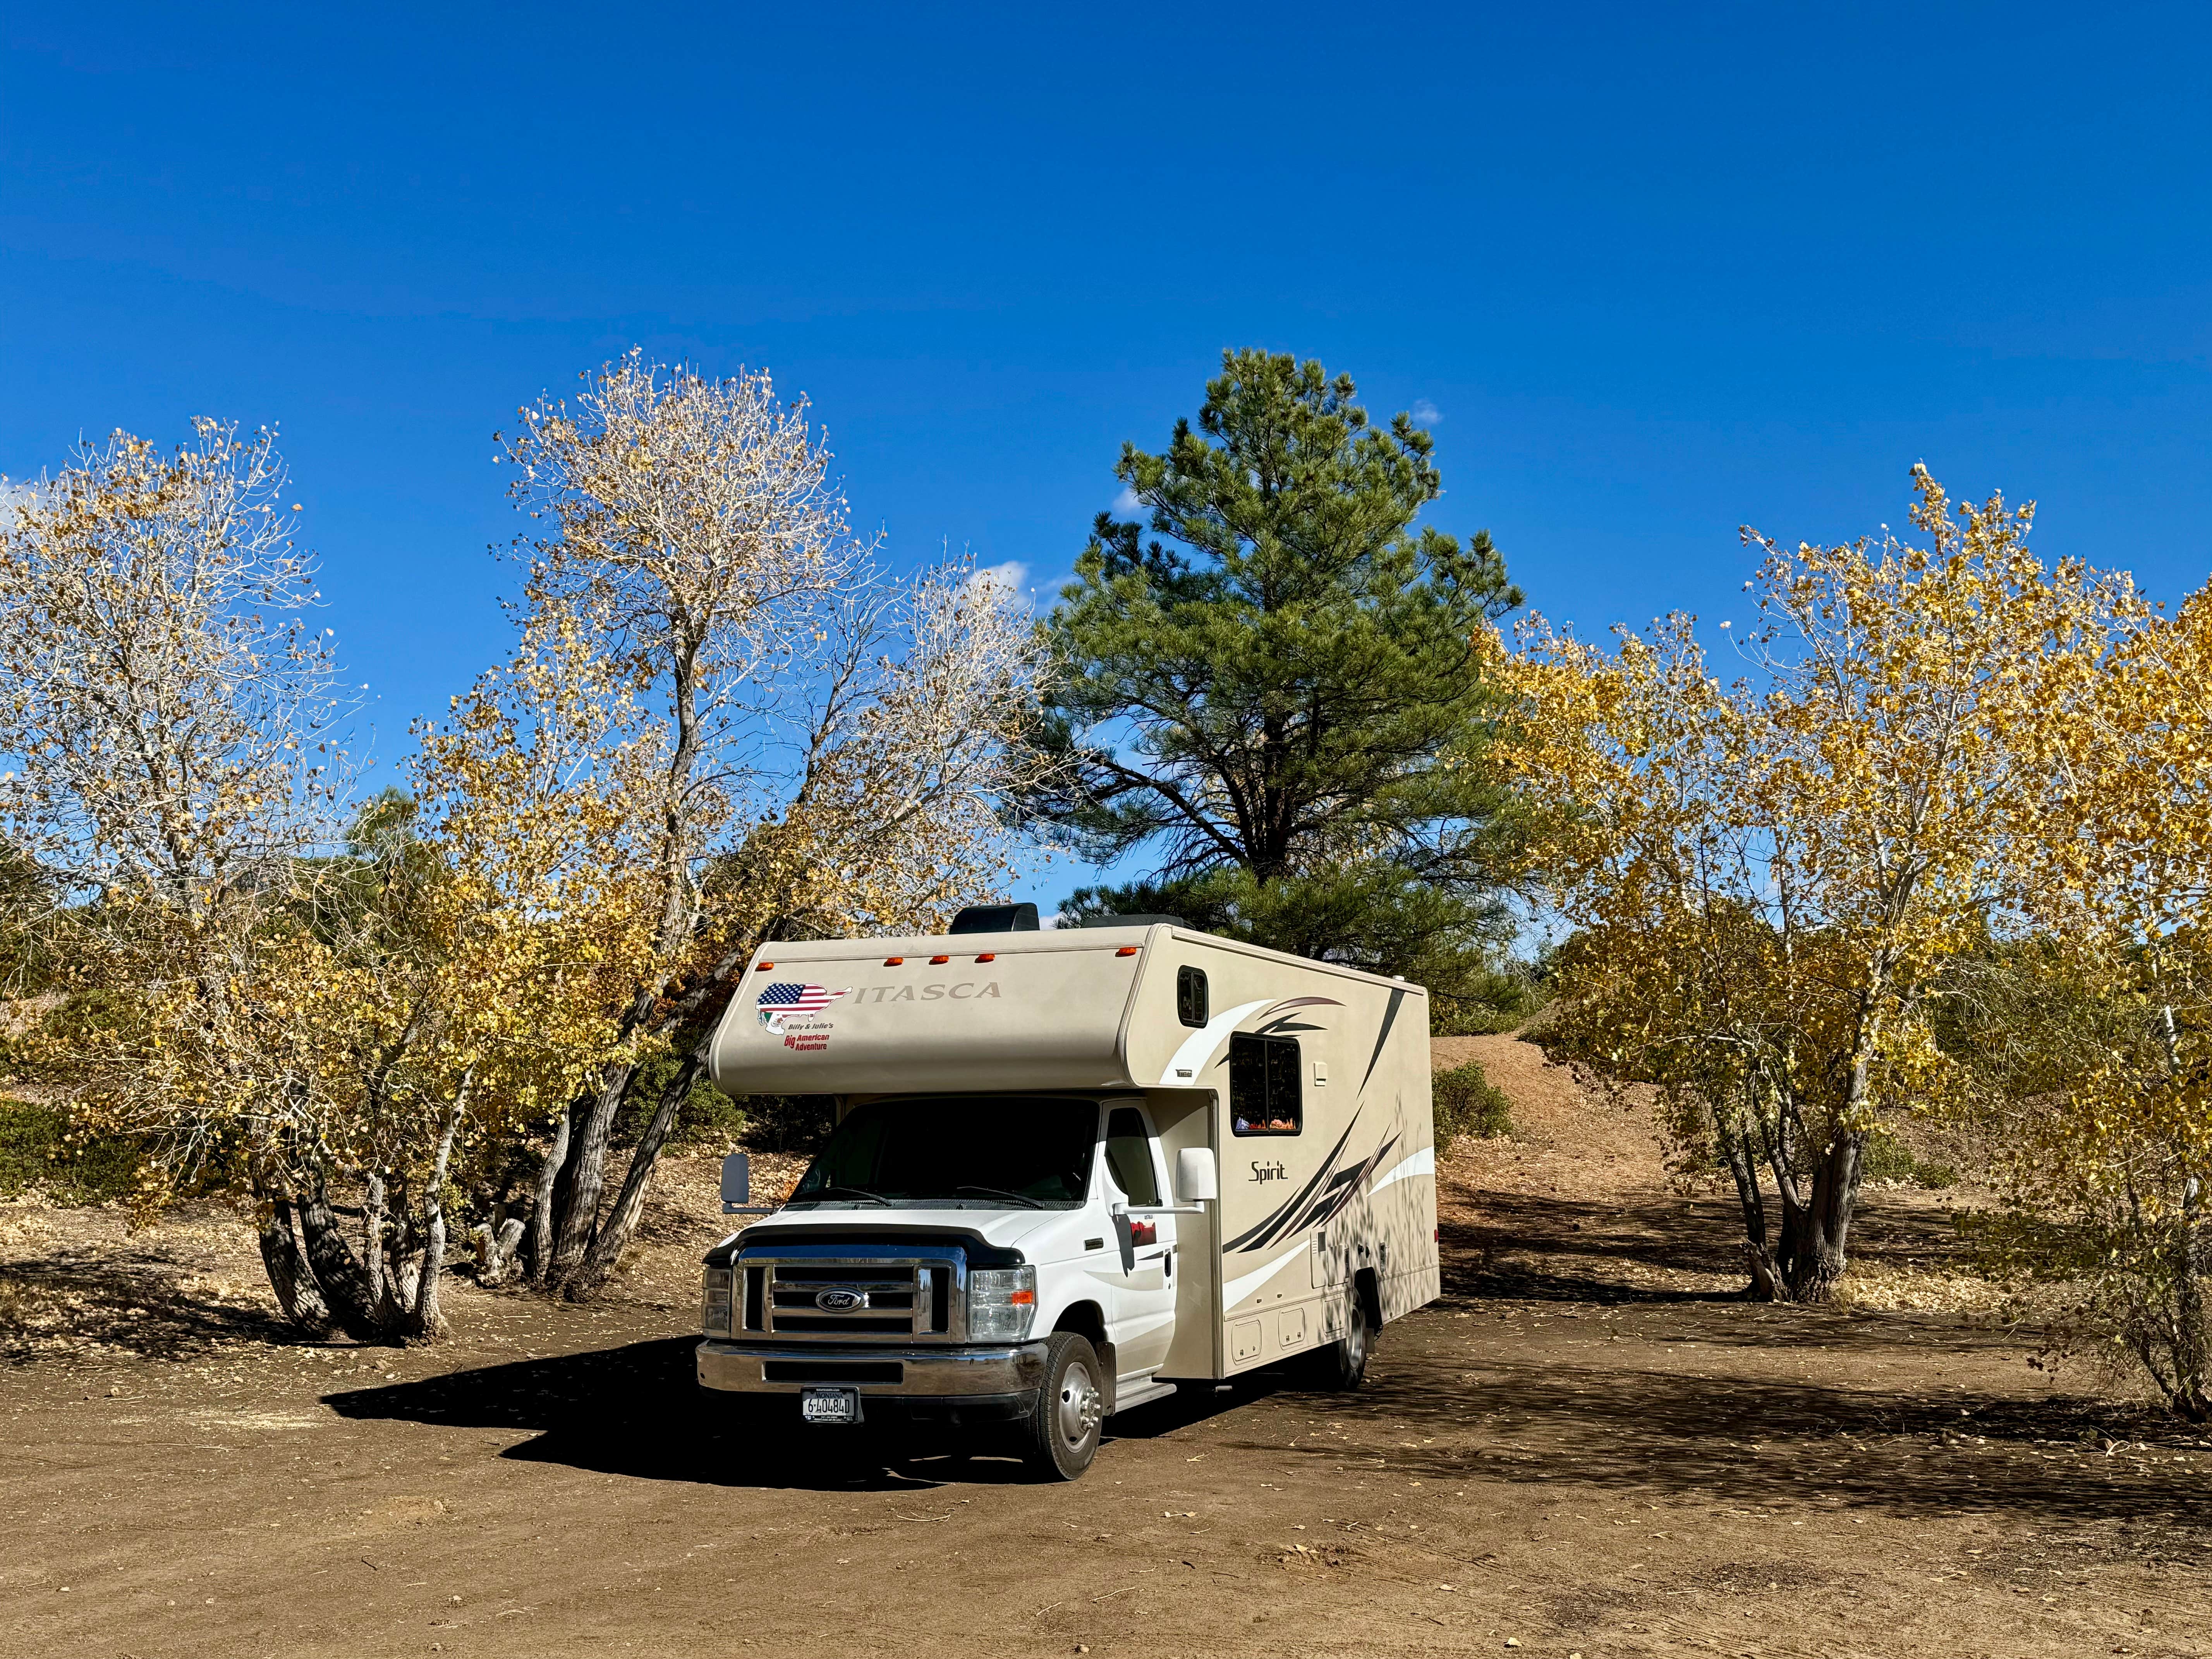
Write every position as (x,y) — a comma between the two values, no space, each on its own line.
(1468,1103)
(37,1150)
(787,1123)
(1888,1159)
(708,1117)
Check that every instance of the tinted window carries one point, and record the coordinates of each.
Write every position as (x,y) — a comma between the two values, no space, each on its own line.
(1264,1098)
(1129,1155)
(1190,995)
(956,1149)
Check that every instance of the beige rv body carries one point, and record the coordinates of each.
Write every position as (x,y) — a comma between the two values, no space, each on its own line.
(1261,1274)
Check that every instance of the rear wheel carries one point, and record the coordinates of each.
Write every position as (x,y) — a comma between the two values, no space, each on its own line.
(1063,1431)
(1343,1362)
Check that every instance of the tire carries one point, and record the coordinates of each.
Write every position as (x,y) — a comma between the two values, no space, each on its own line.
(1343,1363)
(1061,1435)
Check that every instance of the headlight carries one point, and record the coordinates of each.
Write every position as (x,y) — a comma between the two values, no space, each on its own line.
(1002,1304)
(715,1303)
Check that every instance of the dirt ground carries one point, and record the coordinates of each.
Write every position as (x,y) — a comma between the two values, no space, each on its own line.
(1588,1447)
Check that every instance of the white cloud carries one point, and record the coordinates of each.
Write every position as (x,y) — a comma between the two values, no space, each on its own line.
(1127,505)
(1010,578)
(1426,413)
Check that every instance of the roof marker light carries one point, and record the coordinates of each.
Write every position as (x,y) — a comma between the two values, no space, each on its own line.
(1126,951)
(988,956)
(893,962)
(764,967)
(934,961)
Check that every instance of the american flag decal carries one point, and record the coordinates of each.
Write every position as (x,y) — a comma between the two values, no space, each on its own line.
(785,997)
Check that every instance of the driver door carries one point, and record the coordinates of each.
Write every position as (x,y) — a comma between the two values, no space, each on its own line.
(1141,1320)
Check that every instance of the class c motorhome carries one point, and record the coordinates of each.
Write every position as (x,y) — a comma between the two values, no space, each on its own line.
(1071,1168)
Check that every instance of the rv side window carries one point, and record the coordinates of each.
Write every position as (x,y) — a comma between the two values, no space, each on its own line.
(1263,1085)
(1190,995)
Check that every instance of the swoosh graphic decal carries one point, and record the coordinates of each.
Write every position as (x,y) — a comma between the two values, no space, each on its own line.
(1238,1289)
(1389,1018)
(1255,1239)
(1336,1188)
(1192,1056)
(1423,1163)
(1333,1204)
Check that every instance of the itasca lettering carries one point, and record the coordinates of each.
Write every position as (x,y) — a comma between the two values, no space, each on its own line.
(936,991)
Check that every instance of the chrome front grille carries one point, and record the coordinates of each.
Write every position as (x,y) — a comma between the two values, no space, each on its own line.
(804,1298)
(807,1292)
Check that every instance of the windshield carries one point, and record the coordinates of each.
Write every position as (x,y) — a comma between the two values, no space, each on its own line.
(992,1151)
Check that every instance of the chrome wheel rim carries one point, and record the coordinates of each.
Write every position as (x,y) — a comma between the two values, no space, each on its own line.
(1080,1403)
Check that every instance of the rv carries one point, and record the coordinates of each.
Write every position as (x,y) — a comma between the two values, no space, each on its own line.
(1071,1168)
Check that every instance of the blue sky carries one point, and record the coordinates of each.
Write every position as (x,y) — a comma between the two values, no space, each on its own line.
(1659,271)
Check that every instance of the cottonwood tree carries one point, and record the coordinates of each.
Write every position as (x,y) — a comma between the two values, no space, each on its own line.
(2097,1042)
(267,1009)
(829,745)
(458,975)
(1772,878)
(167,709)
(167,703)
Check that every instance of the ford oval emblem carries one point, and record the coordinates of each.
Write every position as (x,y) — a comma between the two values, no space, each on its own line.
(839,1301)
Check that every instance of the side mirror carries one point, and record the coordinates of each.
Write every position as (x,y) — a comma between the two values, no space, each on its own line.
(737,1183)
(1197,1176)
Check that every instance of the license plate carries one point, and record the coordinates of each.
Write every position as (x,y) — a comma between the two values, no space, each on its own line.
(830,1405)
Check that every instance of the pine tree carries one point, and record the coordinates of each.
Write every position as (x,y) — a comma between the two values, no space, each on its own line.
(1277,696)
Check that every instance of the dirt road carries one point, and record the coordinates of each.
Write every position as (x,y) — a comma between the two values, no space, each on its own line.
(1587,1447)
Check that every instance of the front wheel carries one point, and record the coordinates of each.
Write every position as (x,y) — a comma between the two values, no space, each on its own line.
(1063,1430)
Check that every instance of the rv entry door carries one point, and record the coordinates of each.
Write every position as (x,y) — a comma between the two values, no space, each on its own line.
(1142,1318)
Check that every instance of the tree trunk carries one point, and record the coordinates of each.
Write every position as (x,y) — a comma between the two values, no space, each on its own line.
(372,1244)
(578,1213)
(344,1282)
(428,1320)
(613,1234)
(587,1174)
(540,1239)
(496,1249)
(2192,1364)
(1734,1136)
(290,1275)
(1810,1257)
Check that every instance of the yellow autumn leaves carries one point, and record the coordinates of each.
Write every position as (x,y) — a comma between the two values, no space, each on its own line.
(722,720)
(1933,761)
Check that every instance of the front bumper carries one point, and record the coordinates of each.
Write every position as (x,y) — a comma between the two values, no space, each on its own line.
(958,1375)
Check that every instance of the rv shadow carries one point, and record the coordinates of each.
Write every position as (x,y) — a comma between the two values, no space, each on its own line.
(637,1411)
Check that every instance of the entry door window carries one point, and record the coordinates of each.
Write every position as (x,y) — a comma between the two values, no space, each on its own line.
(1264,1097)
(1129,1155)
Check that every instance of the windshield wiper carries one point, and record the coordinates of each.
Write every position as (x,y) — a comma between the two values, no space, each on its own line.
(842,1192)
(1000,1192)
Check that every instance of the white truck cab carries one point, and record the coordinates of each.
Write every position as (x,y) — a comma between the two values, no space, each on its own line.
(1070,1167)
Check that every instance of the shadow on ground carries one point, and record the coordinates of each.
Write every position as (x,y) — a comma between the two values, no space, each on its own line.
(637,1411)
(1532,1245)
(1438,1407)
(143,1302)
